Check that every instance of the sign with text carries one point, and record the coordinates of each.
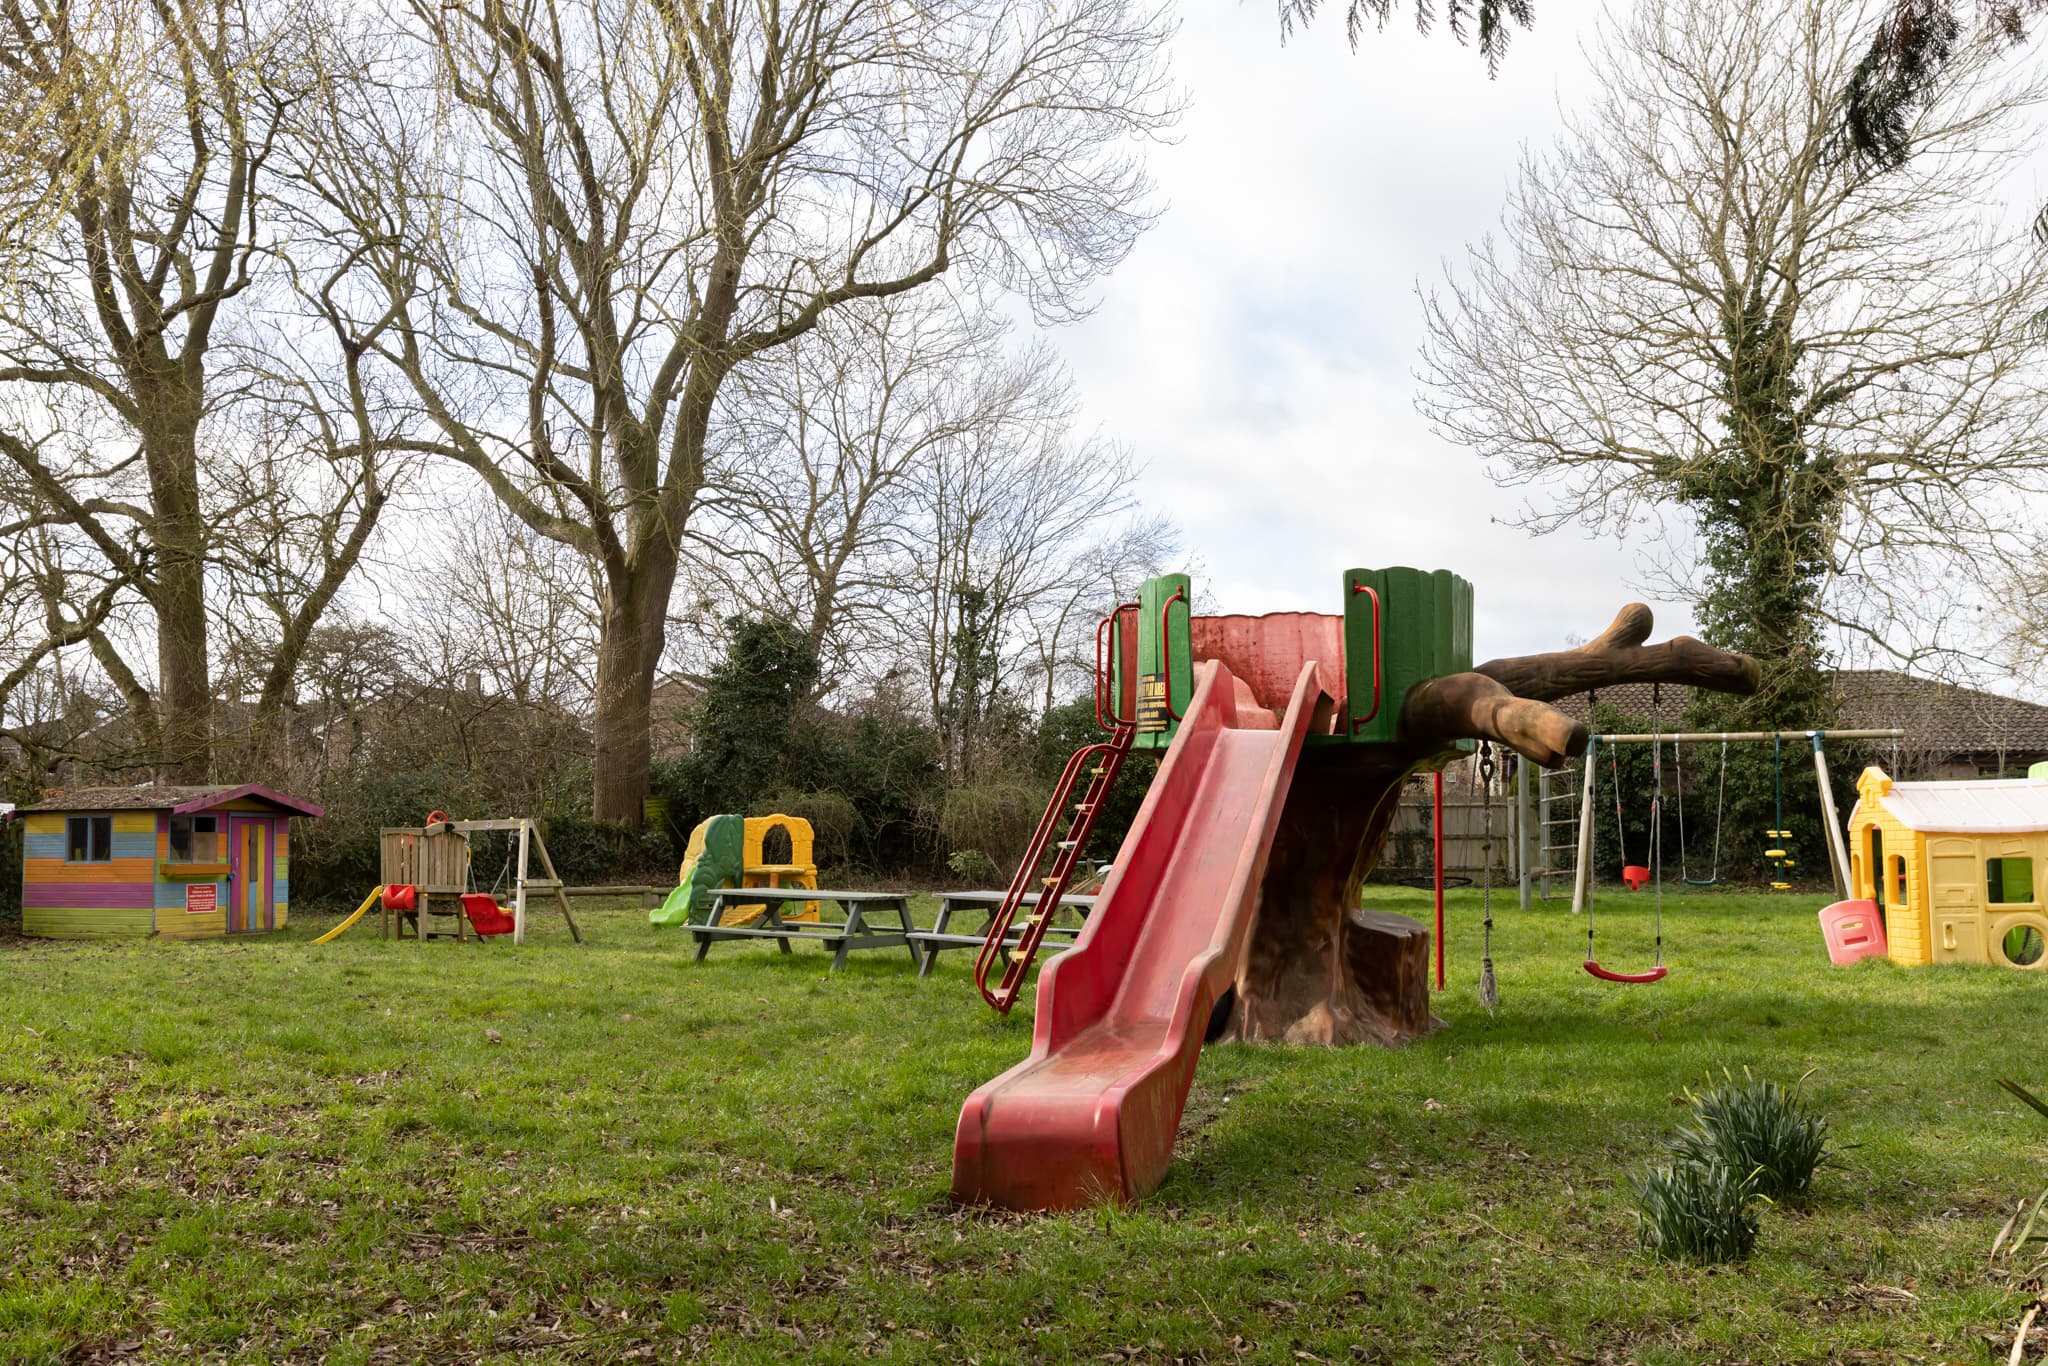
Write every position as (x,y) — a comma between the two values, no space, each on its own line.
(1151,704)
(201,897)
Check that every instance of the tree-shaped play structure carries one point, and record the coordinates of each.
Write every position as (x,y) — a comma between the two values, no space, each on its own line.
(1233,906)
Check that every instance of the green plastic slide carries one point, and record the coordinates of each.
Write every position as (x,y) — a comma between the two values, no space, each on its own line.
(714,859)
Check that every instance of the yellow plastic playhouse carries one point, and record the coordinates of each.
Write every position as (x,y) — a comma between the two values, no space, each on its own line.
(1957,867)
(731,851)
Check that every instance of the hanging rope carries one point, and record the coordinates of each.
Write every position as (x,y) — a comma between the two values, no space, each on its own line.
(1657,813)
(1620,821)
(1720,809)
(1780,857)
(1489,990)
(1657,970)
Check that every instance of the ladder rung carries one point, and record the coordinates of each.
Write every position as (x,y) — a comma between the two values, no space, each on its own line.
(1019,956)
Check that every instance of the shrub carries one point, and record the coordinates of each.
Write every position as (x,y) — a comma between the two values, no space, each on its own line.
(975,868)
(1760,1128)
(1696,1211)
(998,817)
(588,851)
(832,817)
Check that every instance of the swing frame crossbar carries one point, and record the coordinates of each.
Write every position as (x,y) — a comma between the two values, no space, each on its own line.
(1838,854)
(1744,736)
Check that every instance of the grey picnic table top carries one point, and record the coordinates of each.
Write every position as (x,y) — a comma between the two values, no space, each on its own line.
(853,932)
(942,937)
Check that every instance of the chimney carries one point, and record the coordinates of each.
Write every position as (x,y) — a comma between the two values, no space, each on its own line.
(476,684)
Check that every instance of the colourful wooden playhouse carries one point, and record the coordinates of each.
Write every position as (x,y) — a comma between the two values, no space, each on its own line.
(1958,868)
(187,862)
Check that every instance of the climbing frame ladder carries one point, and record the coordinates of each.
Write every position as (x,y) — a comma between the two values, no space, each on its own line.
(1099,763)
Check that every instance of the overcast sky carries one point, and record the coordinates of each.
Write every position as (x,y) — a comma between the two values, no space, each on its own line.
(1258,348)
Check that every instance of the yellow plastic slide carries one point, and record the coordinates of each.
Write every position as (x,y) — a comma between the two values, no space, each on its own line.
(376,894)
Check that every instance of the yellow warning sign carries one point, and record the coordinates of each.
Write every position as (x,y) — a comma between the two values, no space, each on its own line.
(1151,704)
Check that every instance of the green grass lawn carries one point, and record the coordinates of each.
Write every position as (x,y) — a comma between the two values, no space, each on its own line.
(269,1150)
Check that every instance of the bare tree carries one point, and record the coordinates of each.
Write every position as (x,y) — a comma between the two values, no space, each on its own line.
(1025,532)
(636,198)
(114,316)
(1695,302)
(813,515)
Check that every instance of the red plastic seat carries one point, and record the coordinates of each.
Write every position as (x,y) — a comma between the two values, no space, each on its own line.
(1636,876)
(400,897)
(1854,930)
(486,916)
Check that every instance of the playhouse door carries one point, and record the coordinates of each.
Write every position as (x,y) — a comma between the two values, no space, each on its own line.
(249,905)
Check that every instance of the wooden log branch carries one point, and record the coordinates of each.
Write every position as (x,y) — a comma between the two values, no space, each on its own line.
(1508,700)
(1618,655)
(1461,706)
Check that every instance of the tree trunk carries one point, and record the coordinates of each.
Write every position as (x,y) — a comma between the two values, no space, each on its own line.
(1317,969)
(635,633)
(177,592)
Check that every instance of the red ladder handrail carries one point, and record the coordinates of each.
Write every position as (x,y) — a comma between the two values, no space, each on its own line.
(1107,757)
(1369,591)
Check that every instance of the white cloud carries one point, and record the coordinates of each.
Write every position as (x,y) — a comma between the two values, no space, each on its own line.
(1257,348)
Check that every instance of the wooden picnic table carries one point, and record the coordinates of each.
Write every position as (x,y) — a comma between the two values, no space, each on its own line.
(851,932)
(942,936)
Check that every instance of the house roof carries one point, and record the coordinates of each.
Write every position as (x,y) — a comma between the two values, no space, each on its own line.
(1938,717)
(181,799)
(2004,806)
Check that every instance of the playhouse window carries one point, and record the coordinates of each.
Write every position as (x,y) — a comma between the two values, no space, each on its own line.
(88,839)
(195,839)
(2008,881)
(1876,865)
(1899,897)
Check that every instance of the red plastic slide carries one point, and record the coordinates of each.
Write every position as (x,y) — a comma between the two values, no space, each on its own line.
(1091,1114)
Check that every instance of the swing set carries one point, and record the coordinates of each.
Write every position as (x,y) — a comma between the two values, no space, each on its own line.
(1652,874)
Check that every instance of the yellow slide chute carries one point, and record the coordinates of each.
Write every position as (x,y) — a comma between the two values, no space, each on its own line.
(376,895)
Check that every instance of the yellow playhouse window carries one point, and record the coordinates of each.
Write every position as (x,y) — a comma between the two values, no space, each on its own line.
(1899,897)
(195,839)
(88,839)
(2008,881)
(1876,866)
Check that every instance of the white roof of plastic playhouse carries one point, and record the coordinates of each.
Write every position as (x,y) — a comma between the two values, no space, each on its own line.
(2001,806)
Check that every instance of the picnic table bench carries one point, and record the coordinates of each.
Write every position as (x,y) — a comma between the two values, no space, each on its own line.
(942,936)
(851,932)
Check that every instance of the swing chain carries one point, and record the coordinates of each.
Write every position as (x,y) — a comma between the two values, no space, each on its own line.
(1489,989)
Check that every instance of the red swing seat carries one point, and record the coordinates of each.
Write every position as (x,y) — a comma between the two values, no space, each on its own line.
(1656,974)
(485,915)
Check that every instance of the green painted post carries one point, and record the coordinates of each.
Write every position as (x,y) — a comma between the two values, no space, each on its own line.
(1165,603)
(1423,630)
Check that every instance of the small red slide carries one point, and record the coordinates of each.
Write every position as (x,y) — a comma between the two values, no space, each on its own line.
(1092,1113)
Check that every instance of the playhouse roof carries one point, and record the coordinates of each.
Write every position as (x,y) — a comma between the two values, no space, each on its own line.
(180,799)
(2006,806)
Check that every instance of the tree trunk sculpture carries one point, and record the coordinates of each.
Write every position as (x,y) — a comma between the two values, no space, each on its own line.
(1319,971)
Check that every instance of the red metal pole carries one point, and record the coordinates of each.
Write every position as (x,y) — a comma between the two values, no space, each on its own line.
(1436,829)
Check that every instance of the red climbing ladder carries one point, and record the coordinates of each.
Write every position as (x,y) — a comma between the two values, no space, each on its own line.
(1100,763)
